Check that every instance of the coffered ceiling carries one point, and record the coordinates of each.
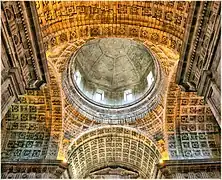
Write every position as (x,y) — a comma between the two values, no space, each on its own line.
(160,22)
(176,118)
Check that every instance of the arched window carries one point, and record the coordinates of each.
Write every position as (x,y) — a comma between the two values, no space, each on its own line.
(99,95)
(150,79)
(77,77)
(128,95)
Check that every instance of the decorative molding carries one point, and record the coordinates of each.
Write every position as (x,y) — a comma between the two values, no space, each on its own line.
(189,169)
(160,22)
(44,169)
(23,53)
(201,55)
(99,148)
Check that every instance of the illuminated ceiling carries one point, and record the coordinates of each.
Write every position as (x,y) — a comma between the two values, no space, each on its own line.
(65,27)
(160,26)
(114,63)
(86,73)
(160,22)
(99,148)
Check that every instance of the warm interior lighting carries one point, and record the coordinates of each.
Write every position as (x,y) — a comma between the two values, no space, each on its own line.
(161,161)
(64,160)
(128,96)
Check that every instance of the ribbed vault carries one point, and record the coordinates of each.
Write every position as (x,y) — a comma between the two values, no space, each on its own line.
(113,63)
(108,146)
(113,109)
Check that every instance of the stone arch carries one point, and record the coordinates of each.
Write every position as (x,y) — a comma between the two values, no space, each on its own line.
(109,145)
(73,35)
(75,122)
(160,22)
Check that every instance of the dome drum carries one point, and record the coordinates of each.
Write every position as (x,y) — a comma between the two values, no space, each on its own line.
(107,81)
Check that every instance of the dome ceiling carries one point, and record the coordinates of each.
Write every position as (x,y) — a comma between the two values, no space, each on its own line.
(114,63)
(110,77)
(170,121)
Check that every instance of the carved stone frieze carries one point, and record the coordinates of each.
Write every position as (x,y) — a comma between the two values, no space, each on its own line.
(199,67)
(191,129)
(23,55)
(189,169)
(160,22)
(44,169)
(98,148)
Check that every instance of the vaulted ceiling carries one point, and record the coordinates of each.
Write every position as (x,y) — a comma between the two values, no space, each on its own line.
(161,22)
(65,28)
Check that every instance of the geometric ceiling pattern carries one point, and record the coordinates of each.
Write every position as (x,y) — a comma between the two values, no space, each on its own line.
(59,55)
(160,22)
(74,122)
(43,124)
(113,63)
(191,129)
(113,145)
(134,77)
(32,127)
(189,134)
(26,128)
